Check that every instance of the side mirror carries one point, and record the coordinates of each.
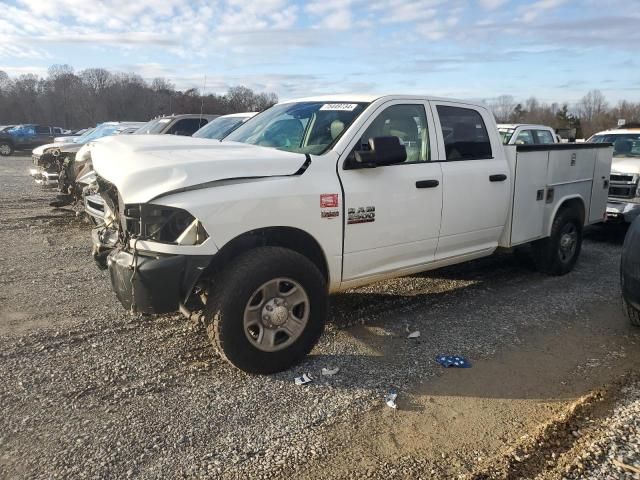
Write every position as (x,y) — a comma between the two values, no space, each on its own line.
(383,151)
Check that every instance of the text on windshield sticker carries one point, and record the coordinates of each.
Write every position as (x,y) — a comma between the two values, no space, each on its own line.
(342,107)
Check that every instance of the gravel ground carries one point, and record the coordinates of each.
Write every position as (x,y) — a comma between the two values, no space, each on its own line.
(90,391)
(617,443)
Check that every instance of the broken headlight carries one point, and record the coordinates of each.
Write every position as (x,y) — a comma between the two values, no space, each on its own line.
(163,224)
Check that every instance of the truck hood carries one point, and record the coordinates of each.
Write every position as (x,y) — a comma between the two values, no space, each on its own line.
(629,165)
(43,148)
(144,167)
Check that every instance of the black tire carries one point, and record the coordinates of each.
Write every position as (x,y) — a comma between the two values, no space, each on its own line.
(232,292)
(549,255)
(6,148)
(633,314)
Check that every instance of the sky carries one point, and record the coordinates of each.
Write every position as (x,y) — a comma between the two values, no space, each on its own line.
(555,50)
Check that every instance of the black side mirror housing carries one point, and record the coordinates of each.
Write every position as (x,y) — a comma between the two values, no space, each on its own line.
(383,151)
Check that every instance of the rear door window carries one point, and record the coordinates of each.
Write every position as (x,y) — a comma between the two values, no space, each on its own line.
(187,126)
(465,134)
(40,130)
(525,137)
(544,137)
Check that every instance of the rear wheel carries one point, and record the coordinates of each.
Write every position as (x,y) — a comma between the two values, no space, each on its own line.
(6,148)
(558,253)
(267,310)
(632,313)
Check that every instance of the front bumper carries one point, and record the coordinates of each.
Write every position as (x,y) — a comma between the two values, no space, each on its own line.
(148,282)
(619,211)
(42,177)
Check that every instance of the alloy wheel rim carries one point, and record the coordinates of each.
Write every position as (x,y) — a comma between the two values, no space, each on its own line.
(276,314)
(568,242)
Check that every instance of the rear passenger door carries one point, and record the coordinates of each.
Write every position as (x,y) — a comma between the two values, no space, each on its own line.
(475,180)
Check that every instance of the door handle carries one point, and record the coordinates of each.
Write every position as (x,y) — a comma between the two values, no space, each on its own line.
(501,177)
(427,183)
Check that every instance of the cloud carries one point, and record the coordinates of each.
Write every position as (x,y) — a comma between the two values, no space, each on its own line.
(334,14)
(491,4)
(538,8)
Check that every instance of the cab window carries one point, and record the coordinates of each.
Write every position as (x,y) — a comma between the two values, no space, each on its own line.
(544,137)
(187,126)
(525,137)
(406,122)
(465,134)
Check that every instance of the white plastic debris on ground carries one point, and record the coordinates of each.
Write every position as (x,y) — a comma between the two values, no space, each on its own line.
(390,398)
(415,334)
(303,380)
(330,371)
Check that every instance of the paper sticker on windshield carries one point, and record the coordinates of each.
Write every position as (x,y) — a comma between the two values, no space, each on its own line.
(340,107)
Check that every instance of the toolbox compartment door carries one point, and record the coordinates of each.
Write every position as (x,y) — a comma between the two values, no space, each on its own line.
(528,212)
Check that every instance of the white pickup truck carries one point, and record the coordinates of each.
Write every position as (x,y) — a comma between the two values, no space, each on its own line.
(320,195)
(624,192)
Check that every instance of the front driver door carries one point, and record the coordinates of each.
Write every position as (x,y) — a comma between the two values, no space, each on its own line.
(392,213)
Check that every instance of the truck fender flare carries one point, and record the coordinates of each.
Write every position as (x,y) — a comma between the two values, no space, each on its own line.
(287,237)
(568,200)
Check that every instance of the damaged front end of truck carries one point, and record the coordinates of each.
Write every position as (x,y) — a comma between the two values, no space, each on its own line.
(144,281)
(47,164)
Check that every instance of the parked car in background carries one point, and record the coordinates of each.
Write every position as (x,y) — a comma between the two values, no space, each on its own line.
(624,191)
(185,124)
(49,160)
(26,137)
(222,126)
(320,195)
(630,273)
(70,136)
(526,134)
(5,127)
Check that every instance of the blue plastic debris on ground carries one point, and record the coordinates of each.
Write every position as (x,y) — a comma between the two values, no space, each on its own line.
(453,361)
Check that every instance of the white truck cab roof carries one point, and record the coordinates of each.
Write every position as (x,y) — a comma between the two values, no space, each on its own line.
(371,97)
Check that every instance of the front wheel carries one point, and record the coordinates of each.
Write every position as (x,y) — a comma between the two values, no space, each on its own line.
(558,254)
(6,148)
(267,310)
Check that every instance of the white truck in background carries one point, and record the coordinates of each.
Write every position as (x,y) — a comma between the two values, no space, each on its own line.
(624,193)
(319,195)
(527,134)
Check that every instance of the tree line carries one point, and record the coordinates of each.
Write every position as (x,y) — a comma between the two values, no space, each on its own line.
(73,100)
(591,114)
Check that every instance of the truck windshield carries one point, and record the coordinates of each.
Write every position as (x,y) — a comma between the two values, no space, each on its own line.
(98,132)
(303,127)
(506,134)
(219,127)
(624,144)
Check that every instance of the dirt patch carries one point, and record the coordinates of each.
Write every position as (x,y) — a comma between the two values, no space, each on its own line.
(507,417)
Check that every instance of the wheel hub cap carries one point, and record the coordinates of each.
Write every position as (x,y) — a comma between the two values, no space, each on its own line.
(276,314)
